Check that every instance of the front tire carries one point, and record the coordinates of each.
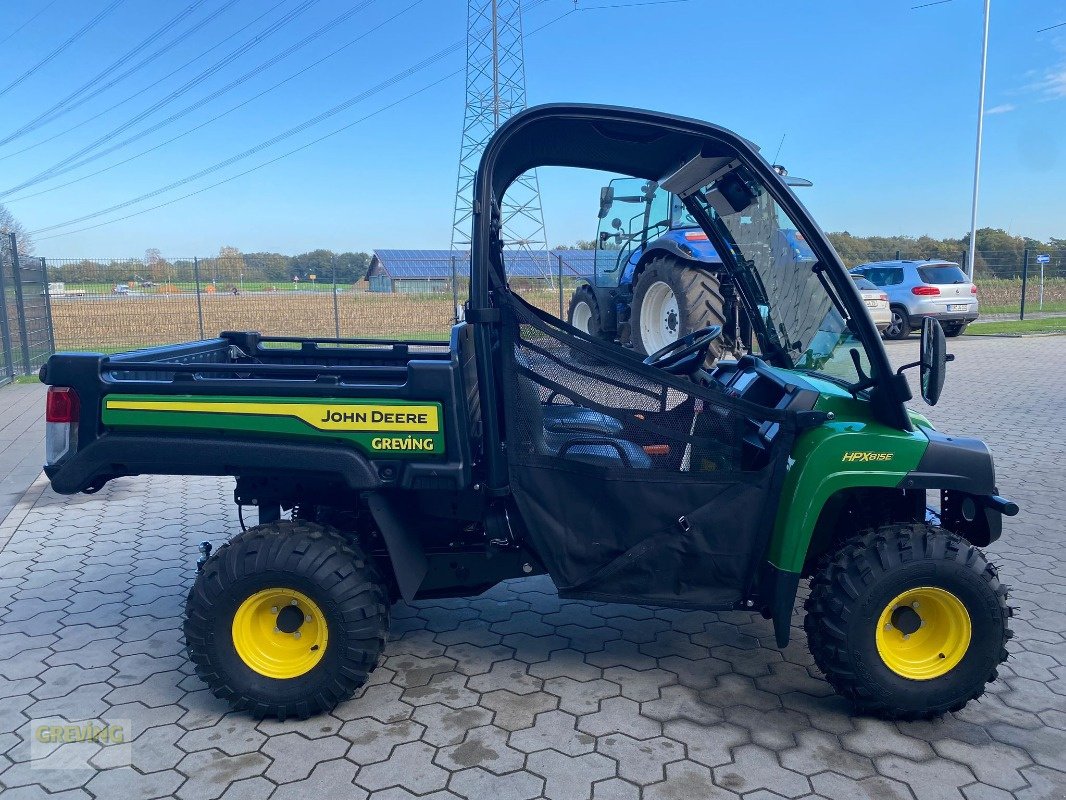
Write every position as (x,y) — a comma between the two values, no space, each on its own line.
(908,621)
(584,313)
(671,300)
(286,619)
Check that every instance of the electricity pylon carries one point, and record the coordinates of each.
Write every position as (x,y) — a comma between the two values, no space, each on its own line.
(495,91)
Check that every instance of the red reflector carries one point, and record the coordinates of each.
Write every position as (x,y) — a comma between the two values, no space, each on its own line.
(925,290)
(696,236)
(61,404)
(973,289)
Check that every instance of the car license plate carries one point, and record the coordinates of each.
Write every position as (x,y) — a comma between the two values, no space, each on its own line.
(872,303)
(957,306)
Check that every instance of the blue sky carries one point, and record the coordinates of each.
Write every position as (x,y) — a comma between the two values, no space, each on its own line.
(876,101)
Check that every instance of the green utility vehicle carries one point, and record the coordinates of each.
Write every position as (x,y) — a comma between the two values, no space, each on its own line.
(419,470)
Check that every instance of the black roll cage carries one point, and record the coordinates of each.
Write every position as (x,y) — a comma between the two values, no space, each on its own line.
(648,145)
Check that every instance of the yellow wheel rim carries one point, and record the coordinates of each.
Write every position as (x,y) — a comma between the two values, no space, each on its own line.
(923,633)
(279,633)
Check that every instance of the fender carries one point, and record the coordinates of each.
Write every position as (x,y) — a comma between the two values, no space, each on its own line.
(831,458)
(697,255)
(826,460)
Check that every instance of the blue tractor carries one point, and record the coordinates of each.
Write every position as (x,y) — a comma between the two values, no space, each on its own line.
(657,276)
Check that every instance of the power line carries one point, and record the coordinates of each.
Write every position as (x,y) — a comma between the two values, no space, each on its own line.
(632,5)
(927,5)
(177,40)
(219,116)
(274,160)
(455,46)
(70,40)
(255,71)
(331,112)
(1051,27)
(45,116)
(62,166)
(18,30)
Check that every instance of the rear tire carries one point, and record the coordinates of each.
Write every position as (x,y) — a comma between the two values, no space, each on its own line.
(672,300)
(900,327)
(952,330)
(908,621)
(286,619)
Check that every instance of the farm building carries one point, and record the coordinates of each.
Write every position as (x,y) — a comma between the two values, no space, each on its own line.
(419,271)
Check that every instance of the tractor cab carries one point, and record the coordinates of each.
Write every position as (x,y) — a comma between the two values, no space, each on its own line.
(642,225)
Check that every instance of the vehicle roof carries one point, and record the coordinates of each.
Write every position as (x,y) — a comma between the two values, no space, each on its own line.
(908,262)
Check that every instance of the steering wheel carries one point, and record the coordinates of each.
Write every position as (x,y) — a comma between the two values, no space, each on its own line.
(687,354)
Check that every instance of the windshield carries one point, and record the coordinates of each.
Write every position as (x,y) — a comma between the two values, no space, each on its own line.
(803,328)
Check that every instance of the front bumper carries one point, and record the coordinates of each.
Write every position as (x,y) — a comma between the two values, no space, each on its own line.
(963,470)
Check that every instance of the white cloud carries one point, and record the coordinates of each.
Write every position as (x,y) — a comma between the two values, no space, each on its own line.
(1002,108)
(1053,84)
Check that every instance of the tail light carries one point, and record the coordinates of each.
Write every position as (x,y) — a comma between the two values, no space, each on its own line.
(61,422)
(883,296)
(973,289)
(695,236)
(925,291)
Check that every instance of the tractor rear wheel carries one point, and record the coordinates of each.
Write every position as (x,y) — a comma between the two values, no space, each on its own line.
(908,621)
(671,300)
(286,619)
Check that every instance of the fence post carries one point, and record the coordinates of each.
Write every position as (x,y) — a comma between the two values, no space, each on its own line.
(336,309)
(5,328)
(1025,282)
(455,291)
(20,307)
(48,307)
(560,257)
(199,300)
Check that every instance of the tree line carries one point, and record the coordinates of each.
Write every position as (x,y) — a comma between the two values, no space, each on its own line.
(229,268)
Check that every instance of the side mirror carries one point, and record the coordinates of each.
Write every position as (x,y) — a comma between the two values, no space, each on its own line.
(933,366)
(616,223)
(606,201)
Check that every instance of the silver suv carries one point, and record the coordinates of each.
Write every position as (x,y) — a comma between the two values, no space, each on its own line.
(920,289)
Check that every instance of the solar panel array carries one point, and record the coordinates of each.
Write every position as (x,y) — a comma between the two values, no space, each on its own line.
(437,264)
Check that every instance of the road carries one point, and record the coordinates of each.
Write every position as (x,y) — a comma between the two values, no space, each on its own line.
(517,694)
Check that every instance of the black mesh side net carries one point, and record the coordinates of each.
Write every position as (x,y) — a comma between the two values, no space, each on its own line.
(633,484)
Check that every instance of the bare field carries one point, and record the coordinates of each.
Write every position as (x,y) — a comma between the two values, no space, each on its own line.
(115,323)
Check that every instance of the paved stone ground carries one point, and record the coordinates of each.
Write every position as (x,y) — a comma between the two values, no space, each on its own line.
(517,694)
(21,440)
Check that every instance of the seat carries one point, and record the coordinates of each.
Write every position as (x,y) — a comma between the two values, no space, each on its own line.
(575,419)
(578,434)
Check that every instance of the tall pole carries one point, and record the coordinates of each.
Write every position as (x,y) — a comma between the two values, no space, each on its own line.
(971,260)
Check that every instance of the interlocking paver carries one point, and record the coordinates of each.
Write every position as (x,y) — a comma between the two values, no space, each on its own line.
(484,747)
(756,767)
(411,767)
(209,771)
(567,777)
(517,693)
(641,761)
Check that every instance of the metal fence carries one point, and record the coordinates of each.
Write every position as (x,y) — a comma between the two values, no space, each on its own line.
(26,338)
(110,305)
